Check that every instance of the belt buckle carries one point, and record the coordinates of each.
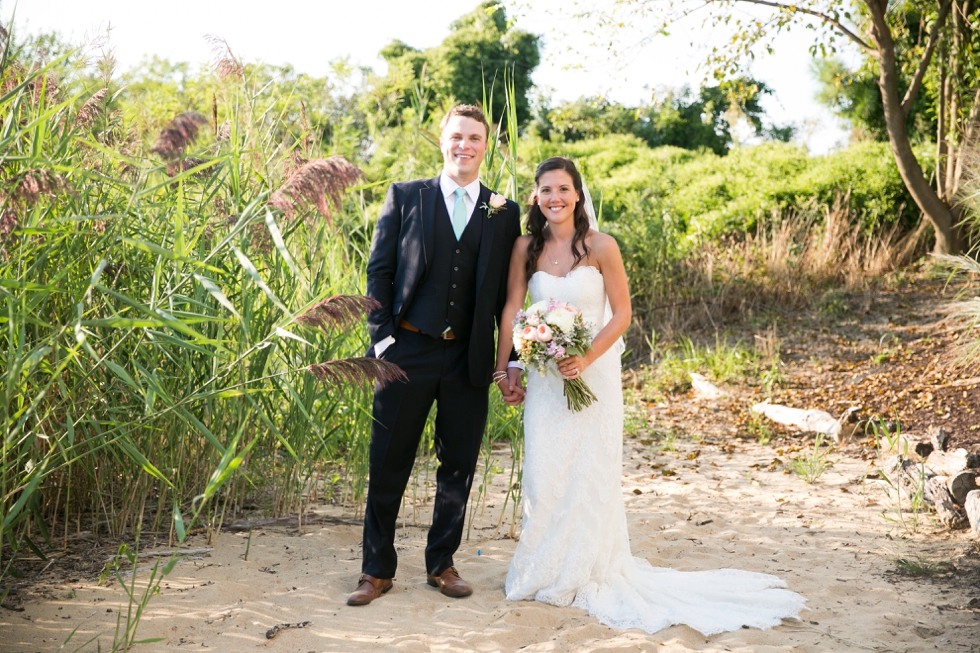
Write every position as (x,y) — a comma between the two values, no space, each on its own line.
(447,335)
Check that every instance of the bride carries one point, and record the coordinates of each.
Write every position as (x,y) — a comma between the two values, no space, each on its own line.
(574,548)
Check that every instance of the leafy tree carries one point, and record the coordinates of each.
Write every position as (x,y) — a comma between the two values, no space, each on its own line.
(935,50)
(480,48)
(679,118)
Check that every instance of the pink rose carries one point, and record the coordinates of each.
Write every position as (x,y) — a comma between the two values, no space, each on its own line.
(529,333)
(497,201)
(543,333)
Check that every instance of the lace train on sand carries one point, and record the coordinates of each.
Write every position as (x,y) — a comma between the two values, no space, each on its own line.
(574,548)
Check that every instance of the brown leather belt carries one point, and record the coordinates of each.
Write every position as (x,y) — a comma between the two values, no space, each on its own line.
(408,326)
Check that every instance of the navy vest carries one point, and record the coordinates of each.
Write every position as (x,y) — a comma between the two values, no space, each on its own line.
(446,295)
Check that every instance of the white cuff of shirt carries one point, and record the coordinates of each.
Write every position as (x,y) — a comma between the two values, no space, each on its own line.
(381,345)
(516,364)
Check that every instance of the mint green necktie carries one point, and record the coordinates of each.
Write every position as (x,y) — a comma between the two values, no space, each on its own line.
(459,213)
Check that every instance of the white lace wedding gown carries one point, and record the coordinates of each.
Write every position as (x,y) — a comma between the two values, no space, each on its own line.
(574,548)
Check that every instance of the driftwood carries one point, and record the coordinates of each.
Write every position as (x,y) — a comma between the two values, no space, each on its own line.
(950,463)
(275,630)
(164,554)
(812,421)
(706,389)
(908,476)
(308,518)
(961,484)
(972,505)
(949,514)
(910,446)
(939,438)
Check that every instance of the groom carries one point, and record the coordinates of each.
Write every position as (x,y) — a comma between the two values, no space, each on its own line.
(438,267)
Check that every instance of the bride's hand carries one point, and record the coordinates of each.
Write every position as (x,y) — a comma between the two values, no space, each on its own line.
(571,367)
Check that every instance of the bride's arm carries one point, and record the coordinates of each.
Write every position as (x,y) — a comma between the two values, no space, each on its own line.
(516,293)
(606,252)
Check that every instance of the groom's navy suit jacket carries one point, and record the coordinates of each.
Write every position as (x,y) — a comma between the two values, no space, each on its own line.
(402,250)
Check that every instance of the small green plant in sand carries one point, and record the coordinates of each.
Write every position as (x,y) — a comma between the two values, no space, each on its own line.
(904,492)
(725,361)
(920,566)
(835,302)
(758,428)
(811,465)
(772,378)
(667,440)
(634,414)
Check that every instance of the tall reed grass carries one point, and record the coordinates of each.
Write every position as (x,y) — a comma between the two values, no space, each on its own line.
(174,339)
(153,359)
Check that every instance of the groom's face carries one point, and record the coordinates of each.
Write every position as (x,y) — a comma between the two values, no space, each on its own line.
(463,142)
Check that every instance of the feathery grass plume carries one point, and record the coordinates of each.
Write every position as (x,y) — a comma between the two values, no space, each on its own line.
(8,223)
(293,162)
(178,134)
(176,167)
(37,182)
(338,311)
(90,110)
(357,370)
(224,132)
(13,75)
(225,63)
(314,182)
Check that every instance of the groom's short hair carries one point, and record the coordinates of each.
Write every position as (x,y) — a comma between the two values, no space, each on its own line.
(467,111)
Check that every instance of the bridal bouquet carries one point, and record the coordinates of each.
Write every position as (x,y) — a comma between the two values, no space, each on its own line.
(548,331)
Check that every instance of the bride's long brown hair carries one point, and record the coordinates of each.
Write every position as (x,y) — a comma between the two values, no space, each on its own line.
(537,224)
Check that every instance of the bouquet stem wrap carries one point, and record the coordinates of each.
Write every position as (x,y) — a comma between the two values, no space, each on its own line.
(578,394)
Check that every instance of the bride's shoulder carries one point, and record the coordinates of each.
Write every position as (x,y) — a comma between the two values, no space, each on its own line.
(600,242)
(520,246)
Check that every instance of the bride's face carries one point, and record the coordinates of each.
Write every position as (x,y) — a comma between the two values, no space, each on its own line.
(556,196)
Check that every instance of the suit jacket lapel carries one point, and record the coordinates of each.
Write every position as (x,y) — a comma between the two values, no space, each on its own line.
(429,194)
(486,236)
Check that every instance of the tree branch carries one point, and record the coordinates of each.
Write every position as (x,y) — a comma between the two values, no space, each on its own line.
(822,16)
(920,72)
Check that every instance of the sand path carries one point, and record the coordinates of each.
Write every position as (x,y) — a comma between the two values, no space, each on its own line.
(828,540)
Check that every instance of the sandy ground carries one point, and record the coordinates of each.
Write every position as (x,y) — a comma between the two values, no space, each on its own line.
(720,508)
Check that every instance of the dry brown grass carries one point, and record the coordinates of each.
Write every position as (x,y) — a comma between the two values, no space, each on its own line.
(791,262)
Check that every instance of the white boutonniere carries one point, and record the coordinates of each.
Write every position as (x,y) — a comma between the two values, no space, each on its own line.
(496,203)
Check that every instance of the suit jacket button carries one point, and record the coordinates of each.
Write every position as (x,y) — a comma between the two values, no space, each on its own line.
(457,251)
(452,303)
(456,269)
(454,285)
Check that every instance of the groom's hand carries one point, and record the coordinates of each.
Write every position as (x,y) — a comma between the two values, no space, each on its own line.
(512,387)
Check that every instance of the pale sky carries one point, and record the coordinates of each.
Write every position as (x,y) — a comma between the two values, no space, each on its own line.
(308,35)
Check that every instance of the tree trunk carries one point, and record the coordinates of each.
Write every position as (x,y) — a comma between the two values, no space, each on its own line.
(933,208)
(941,126)
(954,132)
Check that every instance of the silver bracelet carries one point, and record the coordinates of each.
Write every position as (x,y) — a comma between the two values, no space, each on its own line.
(499,376)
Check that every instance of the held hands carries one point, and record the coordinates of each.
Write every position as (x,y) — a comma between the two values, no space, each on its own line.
(510,385)
(571,367)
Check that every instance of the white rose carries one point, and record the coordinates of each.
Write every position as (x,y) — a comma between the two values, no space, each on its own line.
(561,320)
(540,307)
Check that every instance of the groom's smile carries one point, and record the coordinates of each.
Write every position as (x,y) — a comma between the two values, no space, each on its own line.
(463,143)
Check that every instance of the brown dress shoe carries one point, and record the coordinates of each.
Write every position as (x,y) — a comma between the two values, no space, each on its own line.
(450,584)
(368,589)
